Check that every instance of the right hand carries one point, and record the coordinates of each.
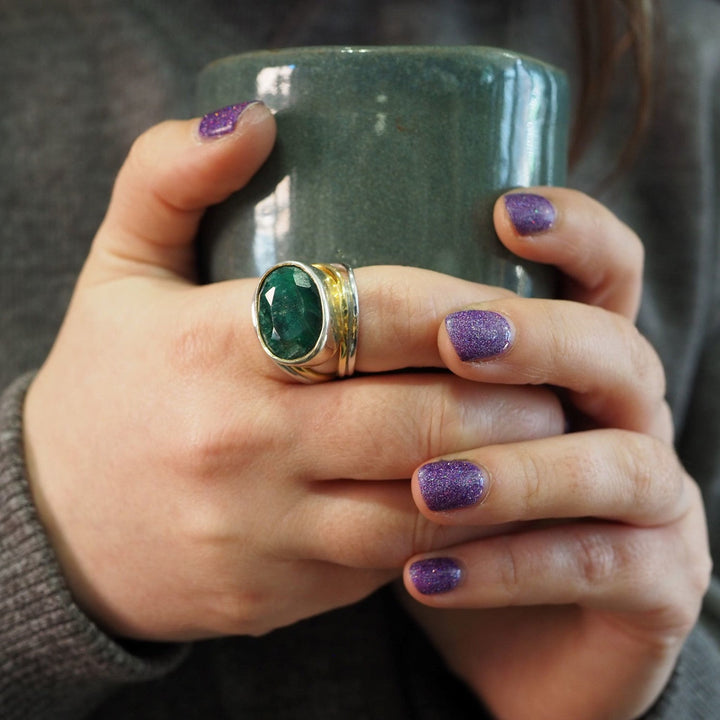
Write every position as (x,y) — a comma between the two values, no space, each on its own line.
(189,487)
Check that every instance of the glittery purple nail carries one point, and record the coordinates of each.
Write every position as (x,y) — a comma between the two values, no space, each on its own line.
(478,334)
(435,575)
(222,121)
(530,214)
(451,484)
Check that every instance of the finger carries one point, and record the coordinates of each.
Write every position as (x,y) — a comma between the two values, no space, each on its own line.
(364,427)
(304,588)
(601,257)
(613,374)
(364,525)
(601,566)
(286,592)
(382,427)
(172,174)
(609,474)
(400,311)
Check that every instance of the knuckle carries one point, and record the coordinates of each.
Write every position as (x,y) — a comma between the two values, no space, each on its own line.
(657,479)
(148,160)
(596,559)
(405,315)
(140,149)
(635,255)
(519,414)
(382,307)
(645,364)
(699,557)
(601,220)
(531,473)
(204,443)
(701,572)
(203,449)
(242,612)
(682,600)
(631,262)
(142,156)
(509,575)
(445,422)
(197,344)
(361,535)
(197,445)
(540,415)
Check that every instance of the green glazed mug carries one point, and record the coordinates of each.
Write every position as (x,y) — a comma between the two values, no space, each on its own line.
(388,155)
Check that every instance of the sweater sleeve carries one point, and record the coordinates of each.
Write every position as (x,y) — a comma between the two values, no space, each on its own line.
(693,693)
(54,661)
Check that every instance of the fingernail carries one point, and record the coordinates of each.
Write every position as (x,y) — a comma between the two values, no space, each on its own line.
(478,334)
(529,213)
(223,121)
(451,484)
(435,575)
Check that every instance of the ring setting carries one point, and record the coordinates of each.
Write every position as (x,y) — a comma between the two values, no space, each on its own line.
(306,315)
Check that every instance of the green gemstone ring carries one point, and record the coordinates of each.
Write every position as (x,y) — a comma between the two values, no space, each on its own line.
(306,315)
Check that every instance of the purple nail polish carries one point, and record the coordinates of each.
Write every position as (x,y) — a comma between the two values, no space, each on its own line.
(435,575)
(222,121)
(478,334)
(451,484)
(530,214)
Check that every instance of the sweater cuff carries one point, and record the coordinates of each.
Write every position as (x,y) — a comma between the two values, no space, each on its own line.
(54,661)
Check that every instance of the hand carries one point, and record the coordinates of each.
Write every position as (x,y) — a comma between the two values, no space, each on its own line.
(192,489)
(582,611)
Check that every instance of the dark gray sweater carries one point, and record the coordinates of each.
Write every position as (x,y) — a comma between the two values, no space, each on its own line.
(79,80)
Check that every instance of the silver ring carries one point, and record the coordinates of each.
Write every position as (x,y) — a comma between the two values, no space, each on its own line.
(305,315)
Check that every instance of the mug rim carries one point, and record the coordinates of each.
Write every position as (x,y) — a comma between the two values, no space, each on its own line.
(384,51)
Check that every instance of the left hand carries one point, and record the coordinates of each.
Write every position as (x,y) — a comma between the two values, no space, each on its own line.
(580,613)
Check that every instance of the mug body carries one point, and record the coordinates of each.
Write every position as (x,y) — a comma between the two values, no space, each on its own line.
(388,155)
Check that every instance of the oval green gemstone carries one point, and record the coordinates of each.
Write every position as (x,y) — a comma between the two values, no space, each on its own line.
(289,312)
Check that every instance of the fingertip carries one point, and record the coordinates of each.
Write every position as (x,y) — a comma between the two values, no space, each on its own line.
(600,255)
(477,335)
(442,487)
(228,120)
(235,141)
(524,214)
(428,578)
(173,173)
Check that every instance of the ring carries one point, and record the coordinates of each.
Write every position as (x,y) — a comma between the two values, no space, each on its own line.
(304,315)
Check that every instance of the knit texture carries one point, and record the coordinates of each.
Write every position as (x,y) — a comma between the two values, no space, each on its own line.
(54,662)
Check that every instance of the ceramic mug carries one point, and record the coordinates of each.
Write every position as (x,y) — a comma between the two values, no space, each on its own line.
(388,155)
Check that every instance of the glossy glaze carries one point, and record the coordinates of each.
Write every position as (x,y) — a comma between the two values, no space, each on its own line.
(388,155)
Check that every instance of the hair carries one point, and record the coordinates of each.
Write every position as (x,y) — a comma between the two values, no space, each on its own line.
(609,32)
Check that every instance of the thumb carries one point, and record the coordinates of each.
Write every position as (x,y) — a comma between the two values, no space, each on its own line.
(173,172)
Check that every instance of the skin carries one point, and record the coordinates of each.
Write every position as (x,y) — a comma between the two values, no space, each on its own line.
(586,604)
(192,489)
